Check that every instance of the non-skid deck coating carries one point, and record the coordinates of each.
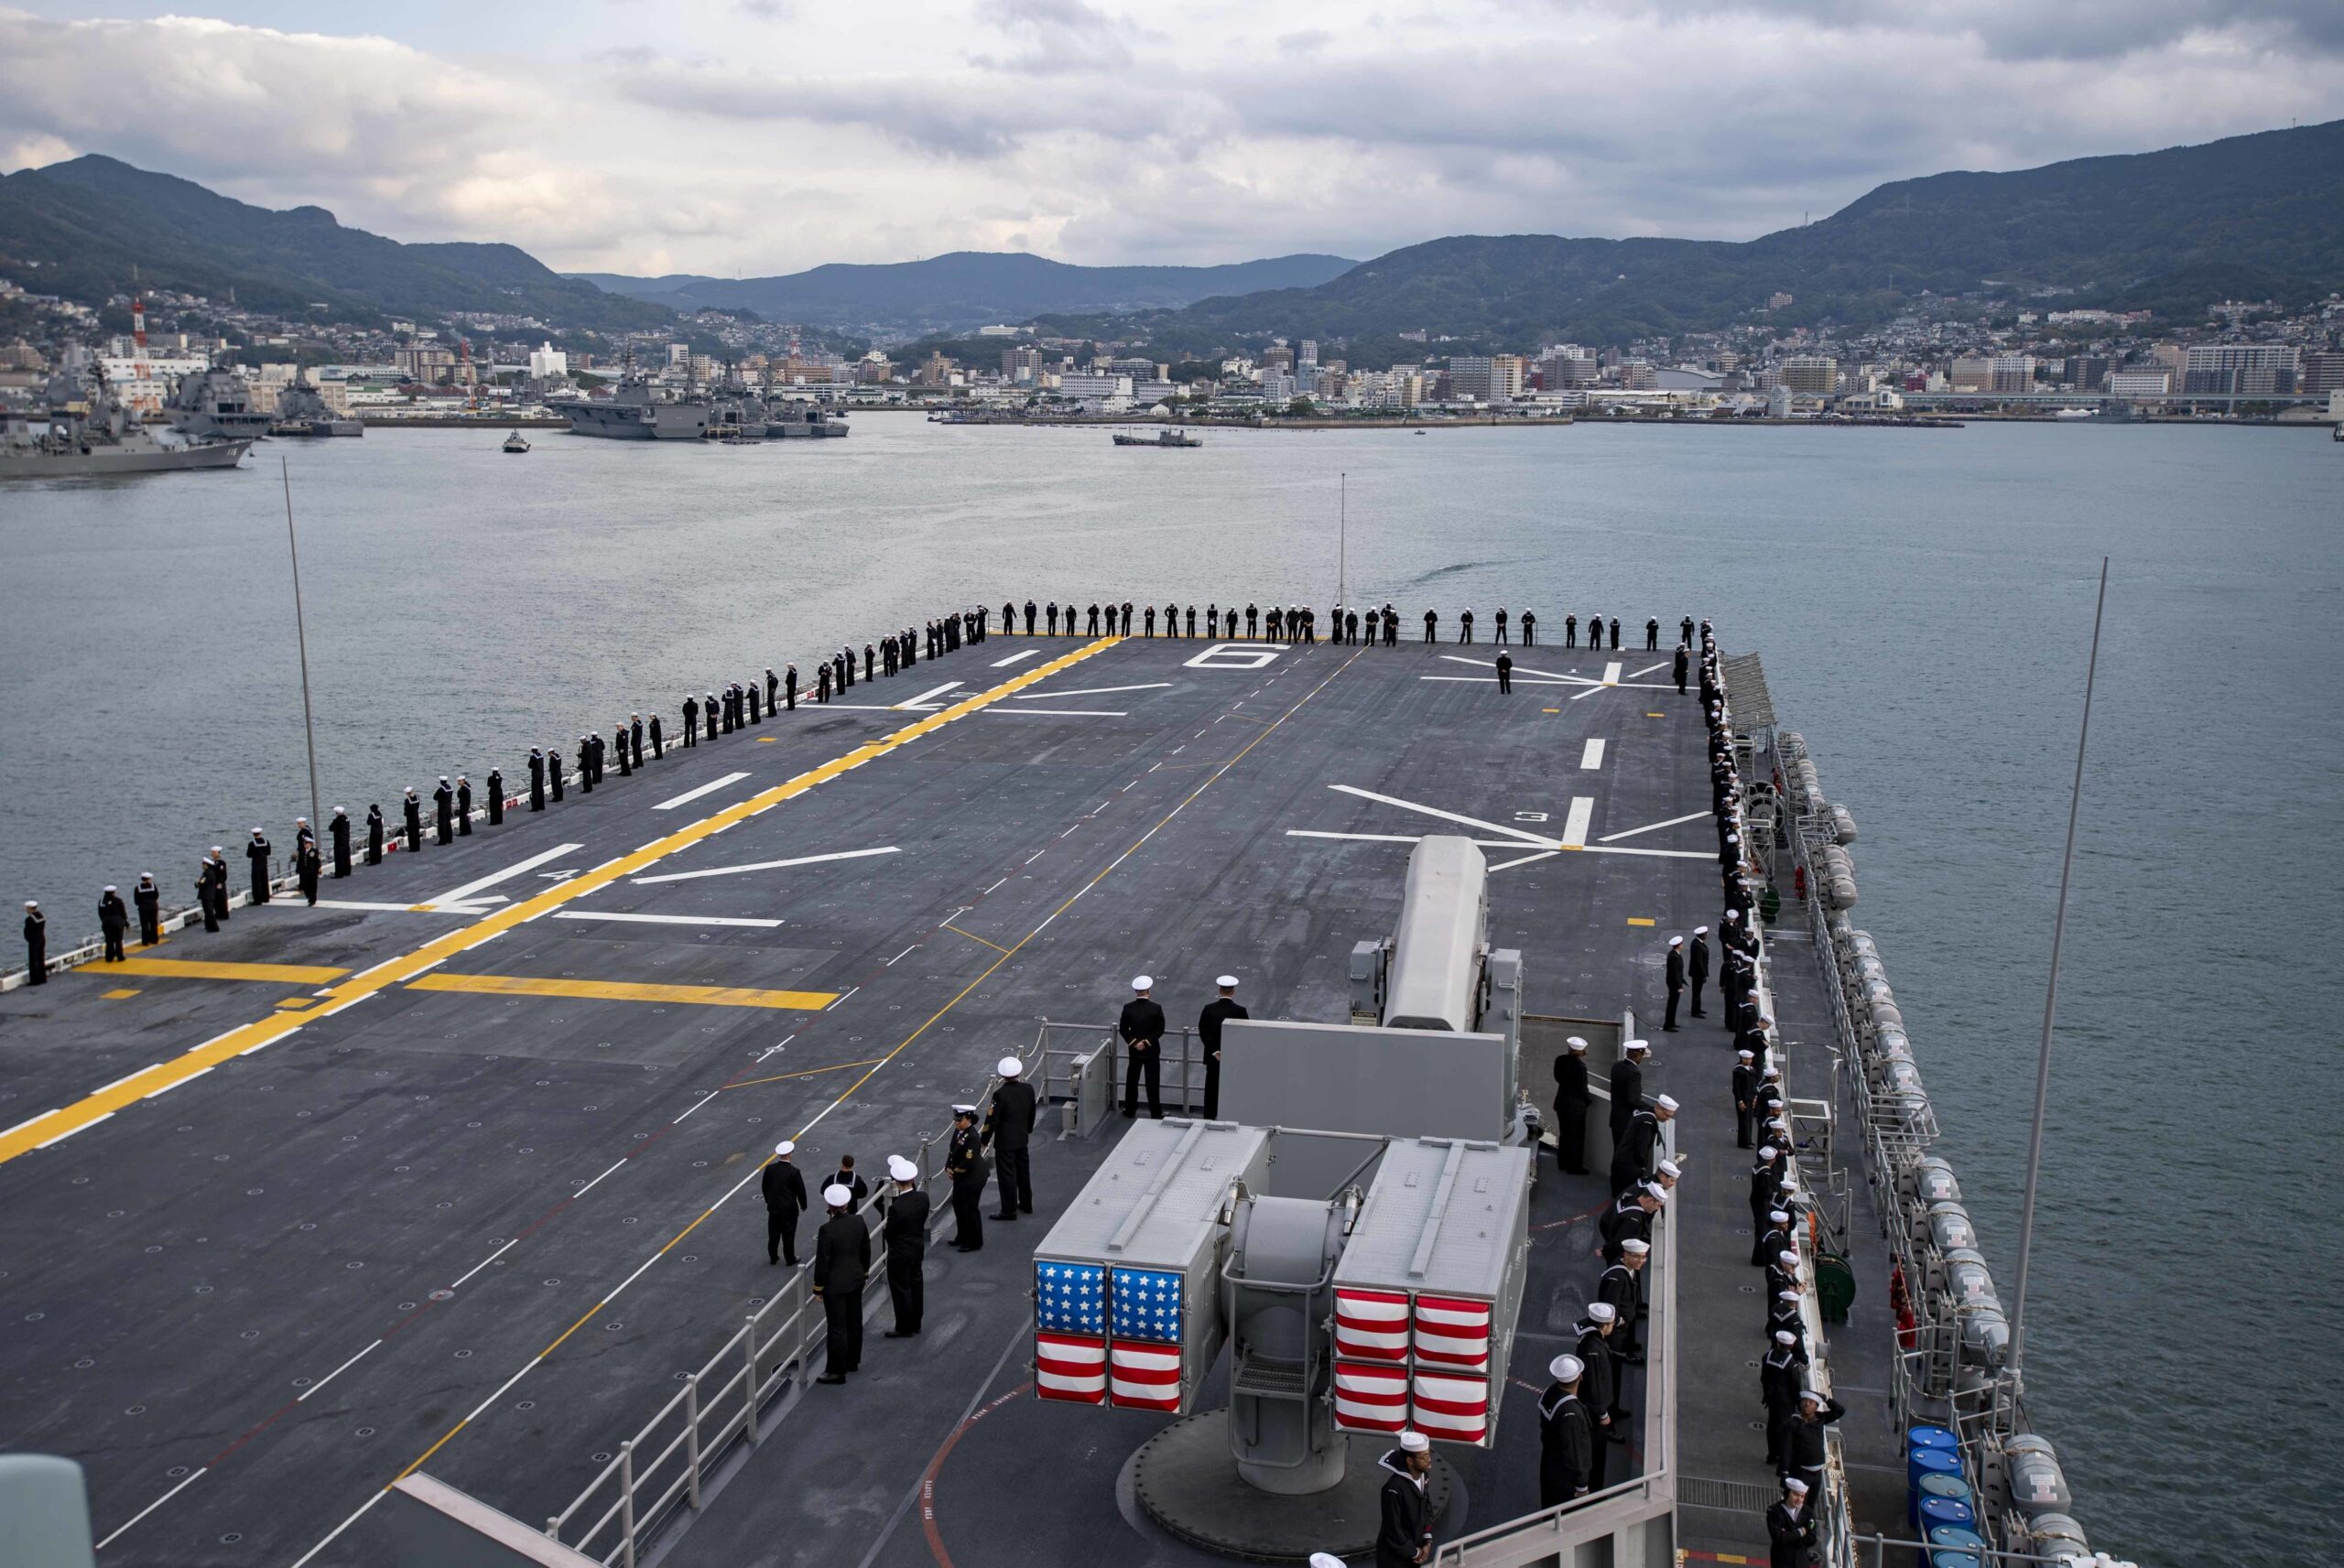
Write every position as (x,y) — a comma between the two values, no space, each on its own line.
(472,1187)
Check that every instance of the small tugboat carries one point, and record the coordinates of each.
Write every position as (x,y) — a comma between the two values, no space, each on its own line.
(516,443)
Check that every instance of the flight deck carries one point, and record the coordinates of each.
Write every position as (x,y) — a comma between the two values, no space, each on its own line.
(457,1170)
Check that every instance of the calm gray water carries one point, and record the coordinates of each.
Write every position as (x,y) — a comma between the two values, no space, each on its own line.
(1923,601)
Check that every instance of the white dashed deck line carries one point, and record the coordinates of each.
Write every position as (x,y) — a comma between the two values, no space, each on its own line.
(679,1121)
(500,1252)
(1513,834)
(1016,657)
(926,701)
(1639,674)
(766,865)
(1574,826)
(457,895)
(667,919)
(197,1474)
(1091,691)
(711,787)
(1653,826)
(1063,712)
(338,1371)
(1590,757)
(1611,673)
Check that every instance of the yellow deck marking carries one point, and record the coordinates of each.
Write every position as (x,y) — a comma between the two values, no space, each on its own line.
(621,990)
(1638,920)
(1550,710)
(804,1073)
(768,740)
(92,1107)
(973,937)
(293,1001)
(1649,715)
(194,970)
(119,994)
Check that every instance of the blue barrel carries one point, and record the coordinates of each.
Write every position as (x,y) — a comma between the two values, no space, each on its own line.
(1920,1466)
(1929,1437)
(1946,1485)
(1936,1511)
(1956,1546)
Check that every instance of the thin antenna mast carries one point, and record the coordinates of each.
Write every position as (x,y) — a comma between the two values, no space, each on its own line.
(2051,994)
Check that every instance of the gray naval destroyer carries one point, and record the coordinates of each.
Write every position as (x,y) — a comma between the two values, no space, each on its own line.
(421,1224)
(640,410)
(77,429)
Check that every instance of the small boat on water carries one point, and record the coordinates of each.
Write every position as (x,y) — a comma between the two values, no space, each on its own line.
(1162,439)
(516,443)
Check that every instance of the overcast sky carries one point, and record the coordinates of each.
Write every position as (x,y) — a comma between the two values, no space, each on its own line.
(765,135)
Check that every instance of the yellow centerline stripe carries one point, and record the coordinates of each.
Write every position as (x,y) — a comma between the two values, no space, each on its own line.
(623,990)
(196,969)
(93,1107)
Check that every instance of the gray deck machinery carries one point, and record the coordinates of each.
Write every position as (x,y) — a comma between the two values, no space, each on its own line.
(1353,1230)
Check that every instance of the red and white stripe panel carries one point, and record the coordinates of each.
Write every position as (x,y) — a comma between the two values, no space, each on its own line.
(1069,1367)
(1371,1326)
(1455,1410)
(1143,1377)
(1371,1398)
(1452,1333)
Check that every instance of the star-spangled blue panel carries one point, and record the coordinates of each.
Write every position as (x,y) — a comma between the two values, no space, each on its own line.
(1146,1305)
(1070,1298)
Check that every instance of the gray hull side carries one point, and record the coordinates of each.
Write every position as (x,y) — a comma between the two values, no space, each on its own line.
(110,461)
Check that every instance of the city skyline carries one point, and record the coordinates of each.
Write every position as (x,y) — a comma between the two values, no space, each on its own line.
(768,136)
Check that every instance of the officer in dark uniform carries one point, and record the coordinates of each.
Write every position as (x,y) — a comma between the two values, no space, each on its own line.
(1142,1028)
(1681,666)
(1050,612)
(113,919)
(1009,1129)
(496,797)
(788,690)
(691,719)
(1802,1455)
(203,894)
(1696,966)
(1404,1513)
(149,900)
(1497,623)
(1630,1216)
(1218,1011)
(842,1265)
(1745,1096)
(1571,1100)
(587,771)
(375,835)
(1505,679)
(536,778)
(36,944)
(821,683)
(1652,633)
(1627,1085)
(1566,1434)
(966,1168)
(339,830)
(783,1187)
(1529,630)
(1029,618)
(308,865)
(1465,625)
(553,771)
(412,808)
(1686,627)
(220,884)
(1675,976)
(1252,620)
(1615,633)
(905,1230)
(1790,1525)
(1622,1286)
(1778,1384)
(1774,1240)
(464,805)
(1634,1156)
(256,857)
(1570,631)
(1432,625)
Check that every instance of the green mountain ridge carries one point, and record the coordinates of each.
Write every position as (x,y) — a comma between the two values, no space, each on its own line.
(2253,216)
(92,222)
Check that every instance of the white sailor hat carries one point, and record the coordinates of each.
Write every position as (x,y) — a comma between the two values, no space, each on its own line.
(1774,1070)
(1778,1215)
(1786,1295)
(1668,1168)
(1747,1055)
(1567,1368)
(785,1147)
(1767,1153)
(32,903)
(338,811)
(1787,1260)
(1574,1045)
(1792,1483)
(964,1110)
(1785,1336)
(1656,1192)
(1677,941)
(1733,914)
(1325,1560)
(1143,982)
(1644,1046)
(1817,1395)
(255,832)
(1700,931)
(838,1197)
(1009,1066)
(1602,1312)
(902,1169)
(110,887)
(1413,1442)
(1633,1246)
(1227,982)
(1666,1103)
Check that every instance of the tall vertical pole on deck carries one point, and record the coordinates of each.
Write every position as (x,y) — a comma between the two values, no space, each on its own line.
(2051,994)
(1343,539)
(301,635)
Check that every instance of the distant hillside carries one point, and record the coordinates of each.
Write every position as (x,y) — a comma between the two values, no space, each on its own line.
(967,289)
(2252,216)
(88,222)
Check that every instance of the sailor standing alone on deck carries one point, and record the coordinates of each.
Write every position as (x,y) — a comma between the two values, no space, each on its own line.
(1404,1527)
(36,944)
(149,899)
(905,1232)
(1008,1131)
(842,1265)
(113,919)
(783,1187)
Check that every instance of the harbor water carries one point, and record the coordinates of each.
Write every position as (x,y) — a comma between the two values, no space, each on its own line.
(1922,599)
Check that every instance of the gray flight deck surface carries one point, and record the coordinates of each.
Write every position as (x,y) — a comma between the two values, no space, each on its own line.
(483,1201)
